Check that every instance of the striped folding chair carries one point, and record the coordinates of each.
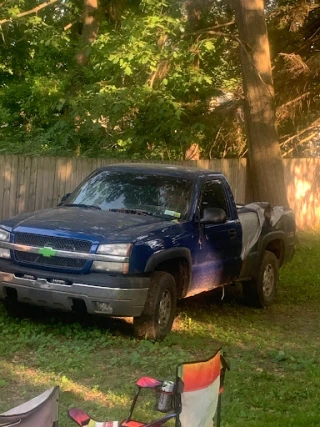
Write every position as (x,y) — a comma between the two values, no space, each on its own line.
(41,411)
(199,389)
(194,401)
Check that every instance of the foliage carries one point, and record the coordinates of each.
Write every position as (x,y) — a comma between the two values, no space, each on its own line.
(136,97)
(294,35)
(274,377)
(160,76)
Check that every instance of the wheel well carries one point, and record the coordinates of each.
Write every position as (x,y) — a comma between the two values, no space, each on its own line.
(277,248)
(179,269)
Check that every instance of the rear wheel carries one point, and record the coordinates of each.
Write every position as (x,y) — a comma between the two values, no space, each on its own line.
(261,290)
(160,308)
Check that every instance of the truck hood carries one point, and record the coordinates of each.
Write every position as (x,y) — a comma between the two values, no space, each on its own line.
(94,225)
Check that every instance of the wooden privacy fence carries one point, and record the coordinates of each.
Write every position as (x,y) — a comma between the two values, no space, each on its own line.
(32,183)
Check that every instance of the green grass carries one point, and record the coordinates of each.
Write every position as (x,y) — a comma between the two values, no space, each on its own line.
(274,353)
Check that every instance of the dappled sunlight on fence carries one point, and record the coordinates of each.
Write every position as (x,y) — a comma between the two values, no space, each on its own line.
(303,185)
(32,183)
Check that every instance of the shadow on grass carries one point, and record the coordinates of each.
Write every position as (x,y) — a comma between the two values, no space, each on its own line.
(123,327)
(200,316)
(47,317)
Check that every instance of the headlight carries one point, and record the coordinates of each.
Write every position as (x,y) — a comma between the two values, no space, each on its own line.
(118,249)
(111,267)
(119,261)
(4,235)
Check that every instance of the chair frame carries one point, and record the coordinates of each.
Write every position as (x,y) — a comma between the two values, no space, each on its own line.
(153,384)
(178,389)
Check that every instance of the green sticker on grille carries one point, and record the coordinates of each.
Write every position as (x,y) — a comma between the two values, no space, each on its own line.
(47,252)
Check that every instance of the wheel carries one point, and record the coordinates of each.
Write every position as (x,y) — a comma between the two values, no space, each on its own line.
(160,308)
(261,290)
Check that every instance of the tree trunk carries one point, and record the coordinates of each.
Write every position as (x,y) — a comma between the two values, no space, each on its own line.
(196,14)
(265,166)
(90,29)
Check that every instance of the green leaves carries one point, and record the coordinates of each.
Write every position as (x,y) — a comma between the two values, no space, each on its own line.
(208,45)
(143,92)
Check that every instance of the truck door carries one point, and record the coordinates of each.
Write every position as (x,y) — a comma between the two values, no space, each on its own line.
(217,259)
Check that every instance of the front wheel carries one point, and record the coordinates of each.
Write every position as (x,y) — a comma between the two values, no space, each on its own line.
(261,290)
(159,312)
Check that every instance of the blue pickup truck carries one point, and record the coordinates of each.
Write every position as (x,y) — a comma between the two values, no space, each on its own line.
(134,238)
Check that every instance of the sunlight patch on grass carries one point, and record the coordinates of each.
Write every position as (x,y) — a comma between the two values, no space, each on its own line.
(36,377)
(273,353)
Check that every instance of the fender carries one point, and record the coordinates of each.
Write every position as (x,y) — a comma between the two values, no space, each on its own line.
(168,255)
(268,238)
(254,259)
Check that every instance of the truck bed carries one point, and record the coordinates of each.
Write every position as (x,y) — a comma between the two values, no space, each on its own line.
(252,217)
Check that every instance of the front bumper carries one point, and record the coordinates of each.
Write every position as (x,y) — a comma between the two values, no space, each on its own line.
(121,295)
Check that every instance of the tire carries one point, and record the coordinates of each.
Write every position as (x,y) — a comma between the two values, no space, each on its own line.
(159,312)
(261,290)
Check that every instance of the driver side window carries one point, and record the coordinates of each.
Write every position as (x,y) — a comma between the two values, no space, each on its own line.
(213,196)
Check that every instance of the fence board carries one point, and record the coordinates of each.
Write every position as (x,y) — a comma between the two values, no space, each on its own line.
(25,186)
(33,183)
(13,185)
(39,186)
(7,186)
(30,183)
(20,203)
(2,181)
(49,179)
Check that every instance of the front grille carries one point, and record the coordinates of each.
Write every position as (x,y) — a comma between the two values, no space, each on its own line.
(58,243)
(55,261)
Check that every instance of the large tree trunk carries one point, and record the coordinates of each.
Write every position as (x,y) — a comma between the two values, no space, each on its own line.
(90,29)
(265,167)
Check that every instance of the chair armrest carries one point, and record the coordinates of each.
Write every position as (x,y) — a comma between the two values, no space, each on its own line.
(148,382)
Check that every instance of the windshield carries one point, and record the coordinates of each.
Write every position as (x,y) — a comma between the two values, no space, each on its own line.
(136,193)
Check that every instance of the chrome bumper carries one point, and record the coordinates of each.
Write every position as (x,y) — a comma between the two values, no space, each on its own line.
(41,292)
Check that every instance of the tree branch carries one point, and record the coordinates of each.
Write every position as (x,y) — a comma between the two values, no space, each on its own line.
(162,63)
(293,101)
(306,139)
(215,140)
(316,123)
(308,40)
(29,12)
(68,26)
(243,44)
(206,30)
(222,34)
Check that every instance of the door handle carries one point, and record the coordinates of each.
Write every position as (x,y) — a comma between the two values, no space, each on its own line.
(232,233)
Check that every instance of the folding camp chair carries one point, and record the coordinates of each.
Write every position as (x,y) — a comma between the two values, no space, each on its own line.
(194,401)
(42,411)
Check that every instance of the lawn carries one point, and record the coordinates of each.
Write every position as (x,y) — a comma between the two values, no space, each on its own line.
(274,353)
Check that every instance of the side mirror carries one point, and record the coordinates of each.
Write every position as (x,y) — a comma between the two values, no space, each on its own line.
(213,216)
(64,198)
